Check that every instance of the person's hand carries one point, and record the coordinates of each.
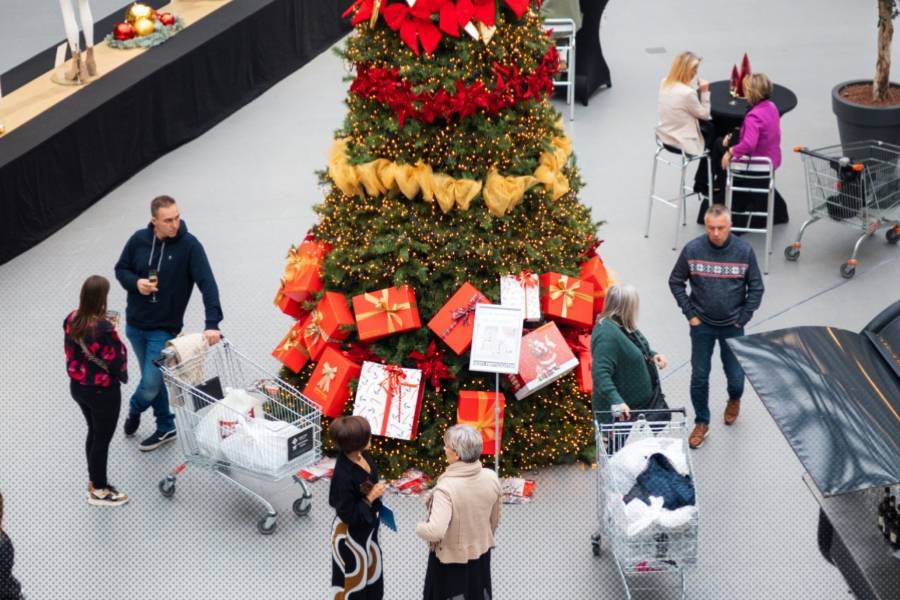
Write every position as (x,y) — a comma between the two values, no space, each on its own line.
(660,360)
(376,492)
(703,85)
(726,140)
(726,158)
(621,412)
(213,336)
(694,321)
(145,287)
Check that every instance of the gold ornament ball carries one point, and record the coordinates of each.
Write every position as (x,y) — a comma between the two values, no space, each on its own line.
(144,27)
(138,11)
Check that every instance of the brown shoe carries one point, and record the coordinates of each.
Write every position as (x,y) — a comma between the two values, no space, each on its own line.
(698,435)
(89,62)
(74,66)
(732,410)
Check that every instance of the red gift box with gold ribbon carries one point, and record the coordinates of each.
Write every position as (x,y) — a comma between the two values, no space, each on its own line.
(290,307)
(291,350)
(329,384)
(567,299)
(385,312)
(455,322)
(303,270)
(477,409)
(389,397)
(594,272)
(325,324)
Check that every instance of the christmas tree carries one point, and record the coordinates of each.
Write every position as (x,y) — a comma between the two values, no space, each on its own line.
(452,167)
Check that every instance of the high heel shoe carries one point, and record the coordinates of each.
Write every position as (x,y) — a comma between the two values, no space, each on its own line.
(89,62)
(74,66)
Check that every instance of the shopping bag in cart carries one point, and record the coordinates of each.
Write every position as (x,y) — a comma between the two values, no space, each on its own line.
(265,446)
(222,419)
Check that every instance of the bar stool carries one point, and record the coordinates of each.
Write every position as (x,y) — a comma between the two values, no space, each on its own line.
(751,169)
(679,202)
(563,32)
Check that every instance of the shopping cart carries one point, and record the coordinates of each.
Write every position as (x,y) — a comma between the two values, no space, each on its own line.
(657,554)
(292,425)
(855,184)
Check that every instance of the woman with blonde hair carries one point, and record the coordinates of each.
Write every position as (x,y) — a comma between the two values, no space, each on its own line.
(624,368)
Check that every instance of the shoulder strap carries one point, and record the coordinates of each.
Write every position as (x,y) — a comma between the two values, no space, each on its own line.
(90,356)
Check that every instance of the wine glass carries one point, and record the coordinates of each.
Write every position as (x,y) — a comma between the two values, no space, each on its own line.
(153,278)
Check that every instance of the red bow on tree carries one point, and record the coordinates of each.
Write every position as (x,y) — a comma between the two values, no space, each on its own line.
(414,23)
(363,10)
(579,340)
(517,6)
(431,363)
(360,352)
(591,250)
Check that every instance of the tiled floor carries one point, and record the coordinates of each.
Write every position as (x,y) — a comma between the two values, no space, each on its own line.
(246,189)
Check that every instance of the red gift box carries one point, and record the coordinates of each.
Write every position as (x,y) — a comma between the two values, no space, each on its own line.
(385,312)
(545,357)
(567,299)
(594,272)
(291,351)
(292,308)
(303,270)
(455,321)
(477,409)
(329,384)
(325,324)
(585,362)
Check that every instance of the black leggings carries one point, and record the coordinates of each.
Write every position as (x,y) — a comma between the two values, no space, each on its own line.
(101,411)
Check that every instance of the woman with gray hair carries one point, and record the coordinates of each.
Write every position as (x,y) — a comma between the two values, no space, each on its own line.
(463,514)
(624,367)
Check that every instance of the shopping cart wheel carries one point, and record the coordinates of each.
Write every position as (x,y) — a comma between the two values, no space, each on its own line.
(792,253)
(848,270)
(595,544)
(302,506)
(892,235)
(267,524)
(167,487)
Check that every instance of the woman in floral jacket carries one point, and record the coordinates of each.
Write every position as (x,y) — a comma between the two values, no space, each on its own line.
(97,363)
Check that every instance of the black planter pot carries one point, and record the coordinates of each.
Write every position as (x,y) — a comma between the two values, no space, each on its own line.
(857,123)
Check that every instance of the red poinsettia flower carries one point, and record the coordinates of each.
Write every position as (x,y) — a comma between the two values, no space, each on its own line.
(415,24)
(363,10)
(77,370)
(101,379)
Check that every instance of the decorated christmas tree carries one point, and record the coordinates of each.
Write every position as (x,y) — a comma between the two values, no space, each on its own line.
(451,170)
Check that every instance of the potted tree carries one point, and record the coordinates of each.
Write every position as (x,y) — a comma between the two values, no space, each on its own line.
(870,109)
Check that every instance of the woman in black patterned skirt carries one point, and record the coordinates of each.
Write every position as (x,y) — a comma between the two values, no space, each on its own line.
(355,495)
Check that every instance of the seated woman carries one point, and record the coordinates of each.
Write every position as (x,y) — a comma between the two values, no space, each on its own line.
(760,135)
(681,111)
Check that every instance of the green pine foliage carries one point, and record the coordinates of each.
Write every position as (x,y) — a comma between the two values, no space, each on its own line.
(390,240)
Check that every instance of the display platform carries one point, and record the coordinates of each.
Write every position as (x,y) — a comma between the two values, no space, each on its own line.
(68,154)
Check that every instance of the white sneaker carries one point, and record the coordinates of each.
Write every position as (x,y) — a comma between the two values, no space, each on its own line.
(108,496)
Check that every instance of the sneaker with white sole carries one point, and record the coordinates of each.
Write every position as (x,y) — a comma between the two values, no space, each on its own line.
(156,440)
(108,496)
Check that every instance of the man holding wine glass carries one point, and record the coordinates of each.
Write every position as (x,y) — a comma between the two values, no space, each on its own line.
(159,267)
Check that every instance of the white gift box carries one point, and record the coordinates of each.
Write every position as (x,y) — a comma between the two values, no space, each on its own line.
(523,292)
(390,398)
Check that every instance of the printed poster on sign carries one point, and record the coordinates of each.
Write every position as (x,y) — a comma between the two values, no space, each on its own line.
(496,339)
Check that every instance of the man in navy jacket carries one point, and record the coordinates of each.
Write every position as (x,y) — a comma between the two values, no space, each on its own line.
(726,289)
(155,311)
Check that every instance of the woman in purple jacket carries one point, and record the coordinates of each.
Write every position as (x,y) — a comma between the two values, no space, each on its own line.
(760,135)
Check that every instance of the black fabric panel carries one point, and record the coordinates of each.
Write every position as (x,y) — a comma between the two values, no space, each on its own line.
(62,161)
(834,398)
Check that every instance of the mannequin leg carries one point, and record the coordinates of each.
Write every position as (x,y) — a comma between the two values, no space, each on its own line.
(87,24)
(77,69)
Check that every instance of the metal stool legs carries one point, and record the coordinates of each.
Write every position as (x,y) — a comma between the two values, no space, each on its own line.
(753,168)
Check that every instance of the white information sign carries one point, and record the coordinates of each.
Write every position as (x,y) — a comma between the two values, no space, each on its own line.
(496,339)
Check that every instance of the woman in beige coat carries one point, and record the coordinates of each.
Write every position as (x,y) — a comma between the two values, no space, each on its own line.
(464,510)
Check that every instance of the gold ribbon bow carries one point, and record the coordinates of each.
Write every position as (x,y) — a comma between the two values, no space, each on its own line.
(313,332)
(484,421)
(502,193)
(279,297)
(328,374)
(298,259)
(561,289)
(383,306)
(291,342)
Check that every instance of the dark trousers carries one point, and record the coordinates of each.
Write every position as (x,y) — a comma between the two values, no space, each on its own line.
(100,407)
(703,342)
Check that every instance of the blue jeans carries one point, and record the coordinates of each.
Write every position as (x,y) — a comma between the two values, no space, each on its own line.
(703,342)
(150,391)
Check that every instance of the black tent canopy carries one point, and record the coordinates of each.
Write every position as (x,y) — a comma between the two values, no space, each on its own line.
(835,395)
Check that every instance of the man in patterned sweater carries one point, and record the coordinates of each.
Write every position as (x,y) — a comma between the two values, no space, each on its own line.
(726,288)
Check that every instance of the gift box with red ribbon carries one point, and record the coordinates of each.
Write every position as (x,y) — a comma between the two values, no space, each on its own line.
(303,270)
(390,399)
(522,291)
(585,362)
(477,409)
(291,350)
(326,324)
(386,312)
(567,299)
(329,384)
(455,322)
(290,307)
(594,272)
(545,357)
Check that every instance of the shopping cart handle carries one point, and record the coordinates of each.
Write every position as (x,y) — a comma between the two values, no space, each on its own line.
(164,356)
(643,411)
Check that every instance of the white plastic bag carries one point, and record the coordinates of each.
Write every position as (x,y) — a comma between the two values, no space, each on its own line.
(260,445)
(219,421)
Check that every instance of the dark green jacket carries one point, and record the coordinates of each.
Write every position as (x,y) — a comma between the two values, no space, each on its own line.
(619,371)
